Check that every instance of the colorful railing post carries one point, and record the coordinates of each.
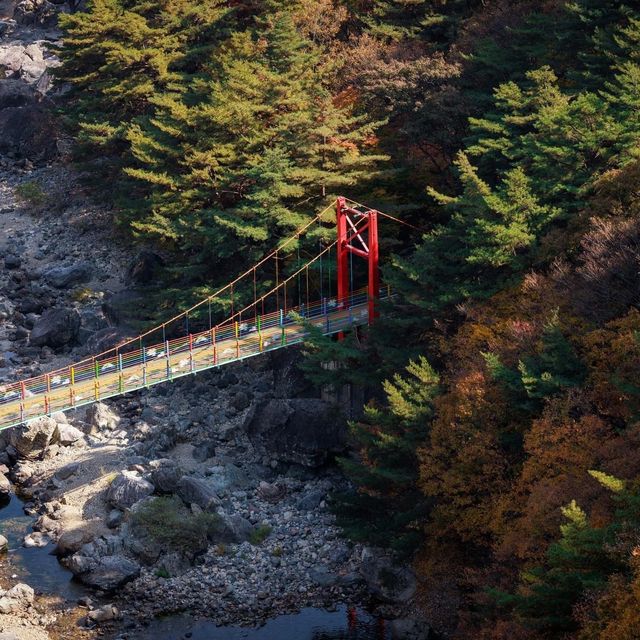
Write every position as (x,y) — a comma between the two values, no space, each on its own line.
(213,344)
(259,327)
(120,374)
(144,365)
(191,352)
(283,335)
(23,395)
(96,381)
(237,328)
(166,345)
(47,402)
(72,379)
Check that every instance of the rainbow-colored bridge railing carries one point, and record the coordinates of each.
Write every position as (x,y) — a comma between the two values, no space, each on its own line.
(96,379)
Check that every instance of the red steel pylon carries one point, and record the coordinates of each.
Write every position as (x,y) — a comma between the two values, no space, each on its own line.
(366,236)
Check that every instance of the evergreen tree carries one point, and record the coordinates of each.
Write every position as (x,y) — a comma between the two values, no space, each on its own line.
(224,164)
(485,244)
(402,20)
(387,509)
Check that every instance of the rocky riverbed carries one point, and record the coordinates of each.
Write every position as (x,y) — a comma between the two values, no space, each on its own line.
(208,495)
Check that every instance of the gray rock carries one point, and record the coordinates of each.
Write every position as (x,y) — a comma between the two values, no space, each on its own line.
(241,400)
(227,477)
(200,492)
(15,93)
(122,307)
(103,614)
(306,431)
(28,132)
(166,478)
(56,328)
(311,500)
(234,528)
(4,544)
(5,485)
(65,277)
(126,489)
(114,519)
(105,339)
(387,581)
(37,539)
(71,541)
(11,261)
(111,572)
(69,434)
(322,576)
(145,267)
(99,417)
(18,598)
(31,440)
(204,451)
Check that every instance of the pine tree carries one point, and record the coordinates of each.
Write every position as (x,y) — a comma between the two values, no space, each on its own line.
(224,163)
(403,20)
(387,508)
(485,244)
(118,56)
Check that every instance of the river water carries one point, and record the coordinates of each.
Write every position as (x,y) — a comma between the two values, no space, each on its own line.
(42,571)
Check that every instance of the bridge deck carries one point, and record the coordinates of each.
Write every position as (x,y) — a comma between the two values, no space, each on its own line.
(95,380)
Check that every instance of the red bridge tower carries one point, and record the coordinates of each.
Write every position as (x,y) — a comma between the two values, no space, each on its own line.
(366,237)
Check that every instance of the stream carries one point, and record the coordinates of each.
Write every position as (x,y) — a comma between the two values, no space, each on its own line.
(35,566)
(42,571)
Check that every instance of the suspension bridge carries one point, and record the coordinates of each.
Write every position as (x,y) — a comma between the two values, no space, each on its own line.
(264,311)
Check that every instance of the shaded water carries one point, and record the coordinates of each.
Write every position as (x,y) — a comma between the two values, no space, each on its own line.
(308,624)
(35,566)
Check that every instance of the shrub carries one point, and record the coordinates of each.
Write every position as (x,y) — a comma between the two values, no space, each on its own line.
(31,192)
(259,534)
(161,572)
(167,521)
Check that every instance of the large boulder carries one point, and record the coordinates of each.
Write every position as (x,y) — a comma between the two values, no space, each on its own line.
(55,328)
(306,431)
(110,572)
(200,492)
(123,307)
(127,488)
(28,132)
(234,529)
(15,93)
(65,277)
(36,13)
(18,598)
(145,267)
(105,339)
(31,440)
(5,486)
(166,478)
(386,580)
(99,417)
